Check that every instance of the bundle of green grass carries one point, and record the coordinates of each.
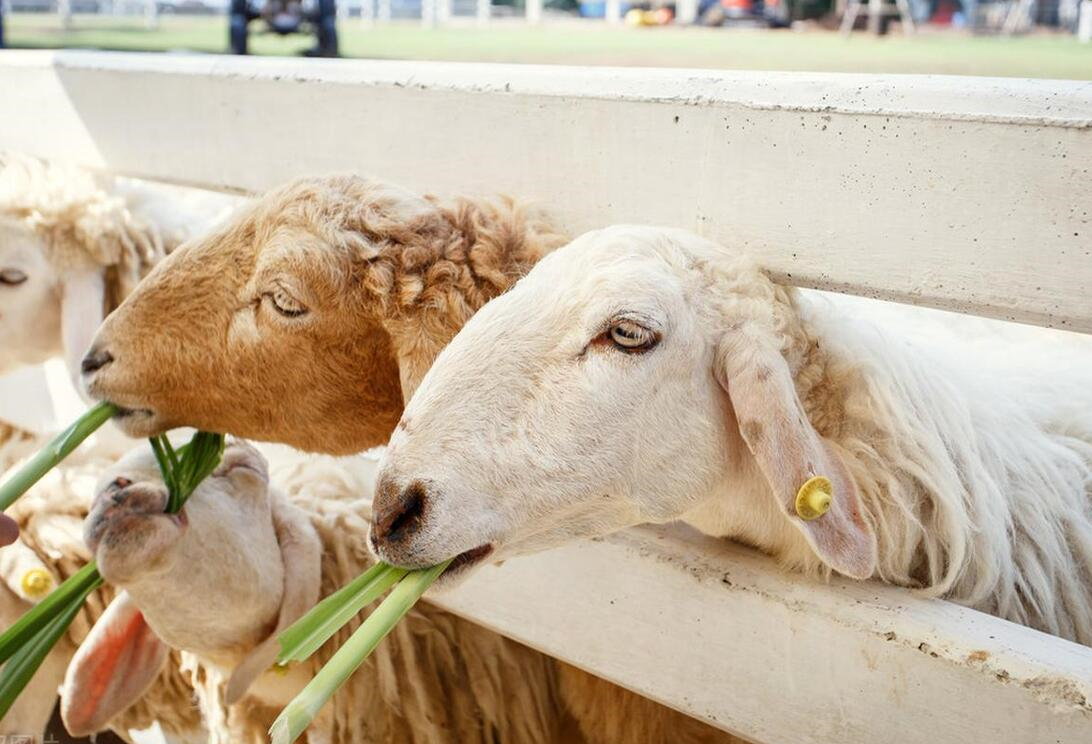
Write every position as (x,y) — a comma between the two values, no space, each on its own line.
(25,645)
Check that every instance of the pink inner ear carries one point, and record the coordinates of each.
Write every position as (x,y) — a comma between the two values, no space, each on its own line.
(113,667)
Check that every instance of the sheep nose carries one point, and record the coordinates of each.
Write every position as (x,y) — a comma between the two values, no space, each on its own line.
(398,513)
(95,360)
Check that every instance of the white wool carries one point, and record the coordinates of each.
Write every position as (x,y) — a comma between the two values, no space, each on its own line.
(80,242)
(984,467)
(50,516)
(970,449)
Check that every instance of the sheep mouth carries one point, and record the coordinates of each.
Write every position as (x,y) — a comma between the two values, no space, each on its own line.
(128,413)
(137,422)
(465,560)
(128,527)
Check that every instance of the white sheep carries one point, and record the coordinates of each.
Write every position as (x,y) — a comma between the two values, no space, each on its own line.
(72,245)
(50,548)
(649,375)
(245,560)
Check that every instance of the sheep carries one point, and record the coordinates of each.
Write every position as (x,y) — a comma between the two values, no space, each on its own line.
(50,549)
(72,246)
(312,314)
(416,682)
(337,293)
(672,380)
(247,559)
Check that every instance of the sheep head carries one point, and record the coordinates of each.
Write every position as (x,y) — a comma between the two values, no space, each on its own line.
(30,318)
(68,250)
(307,318)
(657,384)
(220,579)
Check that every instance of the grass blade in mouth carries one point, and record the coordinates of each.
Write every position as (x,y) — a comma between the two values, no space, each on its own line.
(29,640)
(306,635)
(299,713)
(58,448)
(184,469)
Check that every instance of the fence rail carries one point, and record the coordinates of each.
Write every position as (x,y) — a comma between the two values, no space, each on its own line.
(963,194)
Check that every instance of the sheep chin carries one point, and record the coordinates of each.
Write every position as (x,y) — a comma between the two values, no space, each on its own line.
(139,422)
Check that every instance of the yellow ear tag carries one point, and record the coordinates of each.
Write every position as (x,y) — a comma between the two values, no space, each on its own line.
(36,583)
(814,497)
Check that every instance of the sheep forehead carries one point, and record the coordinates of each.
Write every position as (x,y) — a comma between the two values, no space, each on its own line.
(302,254)
(19,243)
(631,268)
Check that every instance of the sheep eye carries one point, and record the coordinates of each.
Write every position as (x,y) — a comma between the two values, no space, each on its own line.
(285,304)
(12,277)
(632,338)
(121,483)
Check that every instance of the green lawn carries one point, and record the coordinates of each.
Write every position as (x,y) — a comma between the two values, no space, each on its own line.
(1040,55)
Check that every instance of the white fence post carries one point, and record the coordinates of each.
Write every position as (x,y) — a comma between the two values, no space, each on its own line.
(613,12)
(367,12)
(534,11)
(64,10)
(383,11)
(686,12)
(443,12)
(1084,25)
(428,13)
(151,14)
(484,9)
(875,16)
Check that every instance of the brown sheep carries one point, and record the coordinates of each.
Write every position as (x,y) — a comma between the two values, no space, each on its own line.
(307,318)
(310,319)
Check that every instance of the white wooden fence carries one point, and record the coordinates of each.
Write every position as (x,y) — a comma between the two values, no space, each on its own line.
(966,194)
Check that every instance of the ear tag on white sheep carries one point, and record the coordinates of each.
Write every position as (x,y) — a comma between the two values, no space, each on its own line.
(814,498)
(36,583)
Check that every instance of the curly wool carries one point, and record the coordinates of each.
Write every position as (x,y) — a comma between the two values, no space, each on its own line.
(427,264)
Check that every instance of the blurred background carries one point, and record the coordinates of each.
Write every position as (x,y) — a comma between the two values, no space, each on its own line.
(1025,38)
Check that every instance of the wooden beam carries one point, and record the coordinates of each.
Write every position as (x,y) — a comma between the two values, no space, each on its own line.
(959,193)
(723,634)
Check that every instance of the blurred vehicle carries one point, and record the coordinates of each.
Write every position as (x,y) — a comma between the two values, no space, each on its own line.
(285,17)
(773,13)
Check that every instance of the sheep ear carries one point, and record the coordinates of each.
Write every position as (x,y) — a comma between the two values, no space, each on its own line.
(112,669)
(301,552)
(808,477)
(83,302)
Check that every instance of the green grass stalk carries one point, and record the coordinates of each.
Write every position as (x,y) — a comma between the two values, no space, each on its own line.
(306,635)
(57,449)
(299,713)
(80,584)
(28,641)
(20,668)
